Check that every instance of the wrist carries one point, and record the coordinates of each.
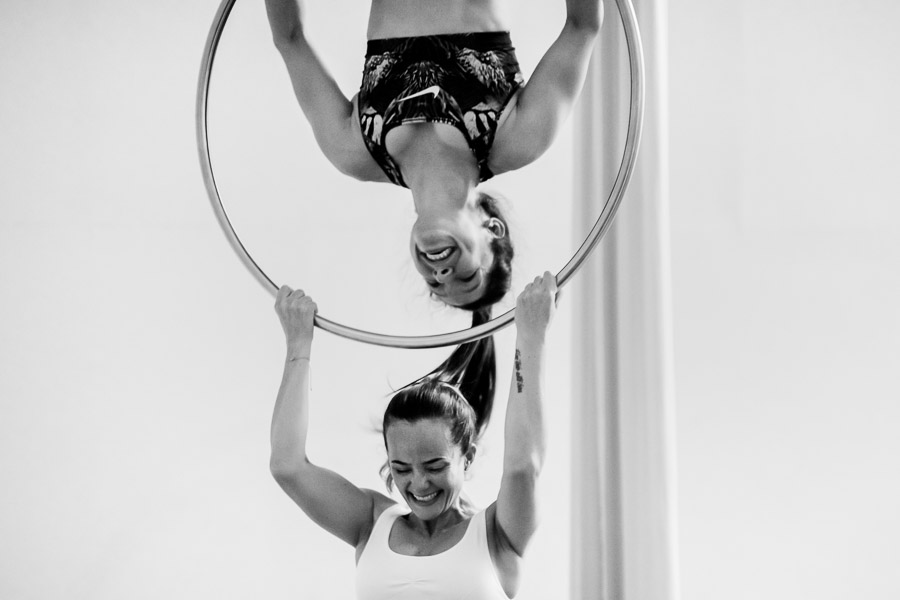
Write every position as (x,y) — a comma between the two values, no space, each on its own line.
(297,352)
(531,341)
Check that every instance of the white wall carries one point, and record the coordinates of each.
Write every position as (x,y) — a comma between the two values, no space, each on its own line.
(785,216)
(139,361)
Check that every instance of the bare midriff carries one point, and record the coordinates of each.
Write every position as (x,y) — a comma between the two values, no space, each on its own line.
(409,18)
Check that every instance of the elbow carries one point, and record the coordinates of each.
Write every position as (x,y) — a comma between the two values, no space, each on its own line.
(283,469)
(589,29)
(286,40)
(528,466)
(586,25)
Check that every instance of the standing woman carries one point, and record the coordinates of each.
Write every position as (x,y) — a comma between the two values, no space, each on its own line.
(442,107)
(439,545)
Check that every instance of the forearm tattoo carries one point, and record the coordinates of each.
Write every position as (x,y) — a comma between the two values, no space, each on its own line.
(520,381)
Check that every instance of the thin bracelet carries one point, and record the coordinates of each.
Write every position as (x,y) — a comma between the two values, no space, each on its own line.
(298,358)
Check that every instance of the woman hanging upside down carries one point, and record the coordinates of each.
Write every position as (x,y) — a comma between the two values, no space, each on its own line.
(442,107)
(437,544)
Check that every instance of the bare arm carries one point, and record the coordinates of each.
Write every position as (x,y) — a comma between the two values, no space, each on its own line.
(329,112)
(331,501)
(525,436)
(546,100)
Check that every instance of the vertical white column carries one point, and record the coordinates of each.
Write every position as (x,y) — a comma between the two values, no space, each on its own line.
(624,529)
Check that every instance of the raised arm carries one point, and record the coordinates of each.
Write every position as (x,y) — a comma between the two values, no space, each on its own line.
(549,95)
(525,439)
(329,112)
(330,500)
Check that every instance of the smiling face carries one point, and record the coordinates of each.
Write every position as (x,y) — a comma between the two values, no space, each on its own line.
(428,469)
(453,254)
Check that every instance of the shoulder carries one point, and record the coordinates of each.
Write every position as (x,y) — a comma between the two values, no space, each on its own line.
(348,152)
(380,504)
(514,144)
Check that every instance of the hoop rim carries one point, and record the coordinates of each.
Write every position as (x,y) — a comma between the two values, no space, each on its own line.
(604,220)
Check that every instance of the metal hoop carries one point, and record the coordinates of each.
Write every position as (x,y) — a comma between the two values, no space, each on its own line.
(626,167)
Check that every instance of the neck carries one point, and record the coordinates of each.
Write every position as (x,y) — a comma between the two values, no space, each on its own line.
(462,509)
(442,522)
(439,191)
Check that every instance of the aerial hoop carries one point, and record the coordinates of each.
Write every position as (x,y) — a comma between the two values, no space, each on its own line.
(626,167)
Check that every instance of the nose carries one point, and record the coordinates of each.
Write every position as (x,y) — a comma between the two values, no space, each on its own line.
(442,274)
(420,483)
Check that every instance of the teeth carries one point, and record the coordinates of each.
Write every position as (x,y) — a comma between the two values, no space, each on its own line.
(430,496)
(440,255)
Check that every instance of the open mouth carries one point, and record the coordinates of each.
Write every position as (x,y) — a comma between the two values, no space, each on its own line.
(427,499)
(438,255)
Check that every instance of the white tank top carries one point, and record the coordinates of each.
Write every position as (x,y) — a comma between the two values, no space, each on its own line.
(463,572)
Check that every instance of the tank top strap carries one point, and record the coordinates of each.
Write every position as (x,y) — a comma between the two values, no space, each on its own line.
(476,535)
(381,531)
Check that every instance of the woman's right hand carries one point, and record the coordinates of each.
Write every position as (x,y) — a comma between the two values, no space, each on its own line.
(297,313)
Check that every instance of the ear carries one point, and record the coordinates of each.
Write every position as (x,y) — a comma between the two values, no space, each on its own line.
(470,455)
(496,227)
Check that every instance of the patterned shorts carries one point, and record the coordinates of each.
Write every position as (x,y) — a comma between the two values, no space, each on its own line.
(463,79)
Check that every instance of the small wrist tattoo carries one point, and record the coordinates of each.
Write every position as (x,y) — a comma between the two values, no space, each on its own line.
(520,381)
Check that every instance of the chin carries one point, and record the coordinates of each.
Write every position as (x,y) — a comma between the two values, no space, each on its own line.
(451,302)
(458,303)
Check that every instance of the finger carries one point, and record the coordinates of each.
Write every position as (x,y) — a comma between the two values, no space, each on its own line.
(282,295)
(549,279)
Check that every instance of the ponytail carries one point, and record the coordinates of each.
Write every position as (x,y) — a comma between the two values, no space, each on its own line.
(472,368)
(460,390)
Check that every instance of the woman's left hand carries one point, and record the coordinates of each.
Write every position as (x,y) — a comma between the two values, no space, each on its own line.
(536,306)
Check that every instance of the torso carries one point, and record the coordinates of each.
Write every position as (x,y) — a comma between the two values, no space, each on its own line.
(406,18)
(406,540)
(427,132)
(421,147)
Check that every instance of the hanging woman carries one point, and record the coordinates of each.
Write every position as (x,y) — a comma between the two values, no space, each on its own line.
(442,107)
